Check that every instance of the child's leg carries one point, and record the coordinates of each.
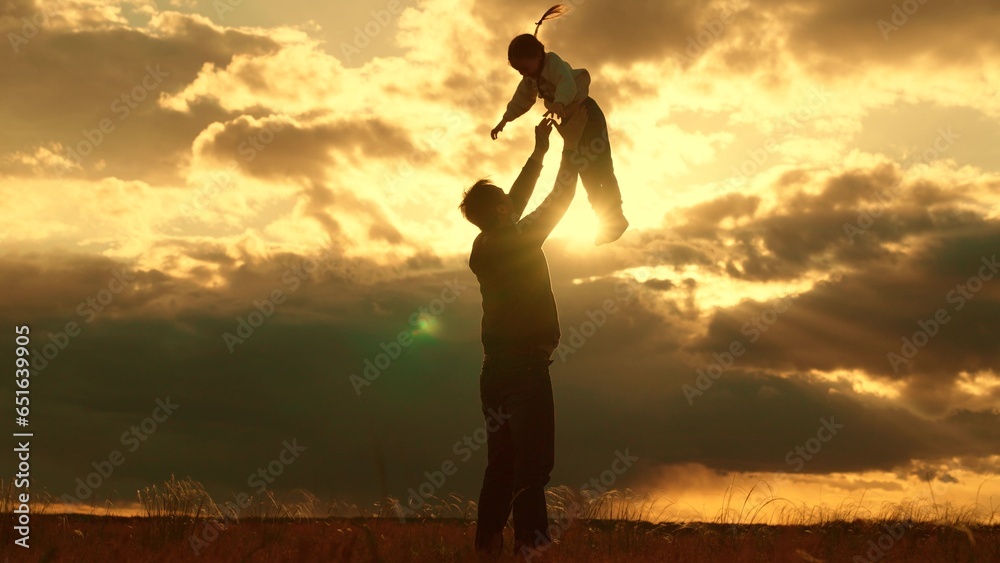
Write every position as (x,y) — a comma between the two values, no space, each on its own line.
(598,176)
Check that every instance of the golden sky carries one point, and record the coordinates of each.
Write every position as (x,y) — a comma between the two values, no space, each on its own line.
(812,188)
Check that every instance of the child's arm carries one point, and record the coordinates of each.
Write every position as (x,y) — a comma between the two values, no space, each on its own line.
(558,72)
(524,97)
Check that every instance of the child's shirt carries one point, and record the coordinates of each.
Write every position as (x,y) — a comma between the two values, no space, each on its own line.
(556,82)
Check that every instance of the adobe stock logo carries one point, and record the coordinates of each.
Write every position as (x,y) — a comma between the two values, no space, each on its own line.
(133,438)
(574,510)
(363,35)
(394,348)
(798,456)
(122,106)
(31,26)
(900,16)
(928,329)
(464,448)
(722,362)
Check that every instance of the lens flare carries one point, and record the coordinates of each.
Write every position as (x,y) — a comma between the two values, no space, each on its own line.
(426,325)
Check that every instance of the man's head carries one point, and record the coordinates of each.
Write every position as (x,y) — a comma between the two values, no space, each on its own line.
(486,206)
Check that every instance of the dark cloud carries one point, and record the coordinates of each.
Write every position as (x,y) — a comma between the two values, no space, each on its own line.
(916,252)
(13,12)
(275,148)
(625,381)
(702,220)
(63,86)
(834,36)
(163,337)
(754,37)
(753,422)
(620,386)
(322,201)
(854,219)
(599,32)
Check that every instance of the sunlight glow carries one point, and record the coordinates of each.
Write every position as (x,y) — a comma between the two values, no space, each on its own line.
(716,291)
(861,383)
(694,492)
(981,383)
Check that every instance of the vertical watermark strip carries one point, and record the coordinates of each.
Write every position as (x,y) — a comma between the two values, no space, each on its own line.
(22,410)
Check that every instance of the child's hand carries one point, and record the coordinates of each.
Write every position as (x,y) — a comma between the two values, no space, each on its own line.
(558,110)
(496,130)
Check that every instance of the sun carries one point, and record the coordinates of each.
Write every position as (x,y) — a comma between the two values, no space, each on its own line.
(578,227)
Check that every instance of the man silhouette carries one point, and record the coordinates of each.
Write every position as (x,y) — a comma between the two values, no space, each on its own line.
(520,332)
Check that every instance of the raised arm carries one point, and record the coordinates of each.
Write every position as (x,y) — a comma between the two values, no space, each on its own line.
(523,187)
(524,97)
(537,226)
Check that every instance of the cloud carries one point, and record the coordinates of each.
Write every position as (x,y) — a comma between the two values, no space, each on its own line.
(94,94)
(902,263)
(703,219)
(336,317)
(334,303)
(891,32)
(277,148)
(598,32)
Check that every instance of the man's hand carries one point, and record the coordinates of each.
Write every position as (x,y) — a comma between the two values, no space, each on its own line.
(496,130)
(572,129)
(542,131)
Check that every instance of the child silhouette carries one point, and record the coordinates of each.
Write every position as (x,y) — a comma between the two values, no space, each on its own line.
(564,90)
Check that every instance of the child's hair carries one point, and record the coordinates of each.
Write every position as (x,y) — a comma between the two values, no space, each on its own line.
(528,46)
(479,204)
(525,47)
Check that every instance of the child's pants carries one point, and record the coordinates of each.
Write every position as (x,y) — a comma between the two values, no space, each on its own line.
(598,174)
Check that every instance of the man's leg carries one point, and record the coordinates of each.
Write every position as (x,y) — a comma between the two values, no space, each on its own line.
(498,481)
(532,428)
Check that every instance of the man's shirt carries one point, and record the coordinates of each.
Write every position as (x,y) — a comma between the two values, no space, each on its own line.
(519,310)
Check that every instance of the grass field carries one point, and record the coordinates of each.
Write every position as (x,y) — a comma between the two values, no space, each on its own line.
(180,522)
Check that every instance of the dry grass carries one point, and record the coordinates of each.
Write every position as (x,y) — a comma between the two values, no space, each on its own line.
(181,522)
